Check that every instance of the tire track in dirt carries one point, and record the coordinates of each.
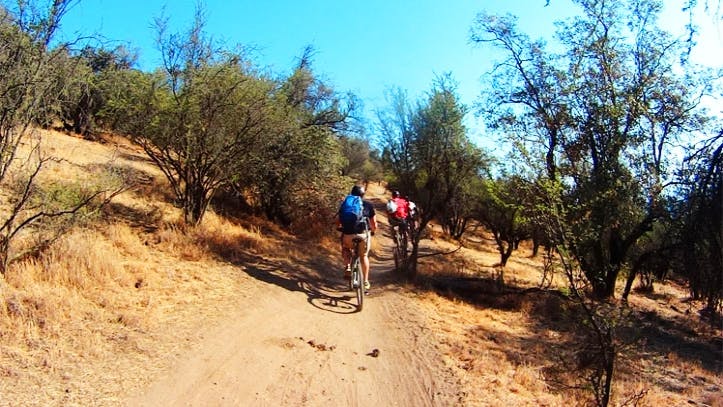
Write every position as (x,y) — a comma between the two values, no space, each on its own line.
(283,352)
(305,346)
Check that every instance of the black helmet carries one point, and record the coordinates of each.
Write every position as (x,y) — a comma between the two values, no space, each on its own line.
(395,194)
(357,190)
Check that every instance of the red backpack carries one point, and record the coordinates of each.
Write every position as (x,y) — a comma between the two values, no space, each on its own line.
(402,208)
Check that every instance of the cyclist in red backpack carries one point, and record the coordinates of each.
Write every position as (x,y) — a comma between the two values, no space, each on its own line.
(363,225)
(398,211)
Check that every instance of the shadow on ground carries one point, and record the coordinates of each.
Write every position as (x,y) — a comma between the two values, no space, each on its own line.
(319,277)
(648,334)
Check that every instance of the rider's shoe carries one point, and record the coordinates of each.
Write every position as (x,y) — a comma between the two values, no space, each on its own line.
(367,285)
(347,272)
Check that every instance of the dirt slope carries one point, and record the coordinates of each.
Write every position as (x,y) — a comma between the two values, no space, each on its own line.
(237,312)
(295,343)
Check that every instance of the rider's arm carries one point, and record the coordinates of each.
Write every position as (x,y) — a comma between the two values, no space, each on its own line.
(373,224)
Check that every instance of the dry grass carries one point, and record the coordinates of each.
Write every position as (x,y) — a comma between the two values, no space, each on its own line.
(128,293)
(103,302)
(505,339)
(132,292)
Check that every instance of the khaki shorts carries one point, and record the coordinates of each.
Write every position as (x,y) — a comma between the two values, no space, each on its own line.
(347,242)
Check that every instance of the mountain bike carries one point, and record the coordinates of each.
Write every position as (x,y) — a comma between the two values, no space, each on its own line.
(356,282)
(399,237)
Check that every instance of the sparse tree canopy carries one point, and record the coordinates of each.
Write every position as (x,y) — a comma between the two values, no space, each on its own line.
(197,117)
(700,214)
(93,76)
(501,210)
(429,152)
(294,171)
(598,119)
(447,159)
(31,84)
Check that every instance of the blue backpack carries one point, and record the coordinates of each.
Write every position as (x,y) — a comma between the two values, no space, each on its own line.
(351,212)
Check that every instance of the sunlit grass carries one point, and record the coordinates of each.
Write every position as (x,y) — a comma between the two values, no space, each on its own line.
(102,297)
(137,285)
(502,347)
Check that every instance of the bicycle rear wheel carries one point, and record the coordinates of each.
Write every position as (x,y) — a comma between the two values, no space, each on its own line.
(397,254)
(358,283)
(403,246)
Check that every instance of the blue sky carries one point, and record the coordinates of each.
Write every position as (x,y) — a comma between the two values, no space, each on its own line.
(361,46)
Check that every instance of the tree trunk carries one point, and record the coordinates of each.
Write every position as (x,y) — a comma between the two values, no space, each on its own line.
(629,284)
(412,261)
(4,248)
(505,251)
(603,272)
(609,368)
(604,286)
(196,202)
(505,254)
(635,271)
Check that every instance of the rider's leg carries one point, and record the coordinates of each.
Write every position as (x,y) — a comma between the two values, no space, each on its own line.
(346,249)
(364,260)
(346,255)
(364,257)
(396,228)
(404,229)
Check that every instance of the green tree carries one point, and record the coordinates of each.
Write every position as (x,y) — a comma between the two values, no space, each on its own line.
(599,119)
(654,256)
(502,209)
(700,217)
(29,95)
(293,171)
(196,117)
(356,153)
(25,80)
(447,160)
(397,136)
(92,78)
(429,152)
(459,211)
(361,164)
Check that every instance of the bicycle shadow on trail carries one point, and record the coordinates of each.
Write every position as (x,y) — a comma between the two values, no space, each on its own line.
(324,290)
(319,277)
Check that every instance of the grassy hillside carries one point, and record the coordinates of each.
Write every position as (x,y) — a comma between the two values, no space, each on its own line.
(111,304)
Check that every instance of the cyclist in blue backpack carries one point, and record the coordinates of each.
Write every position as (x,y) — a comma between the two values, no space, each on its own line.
(356,218)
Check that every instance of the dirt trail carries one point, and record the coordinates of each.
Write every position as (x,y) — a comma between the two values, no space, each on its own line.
(296,343)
